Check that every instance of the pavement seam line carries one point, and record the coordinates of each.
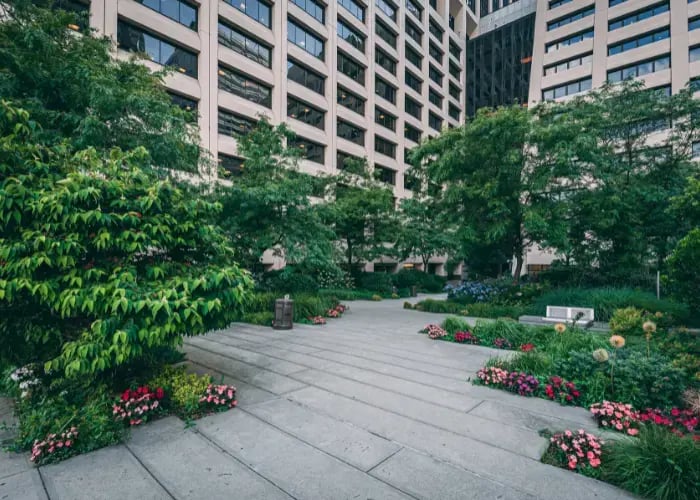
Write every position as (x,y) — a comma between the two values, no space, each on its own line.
(148,471)
(43,483)
(385,459)
(327,453)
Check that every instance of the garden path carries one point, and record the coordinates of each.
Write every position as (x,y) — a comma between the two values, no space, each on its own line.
(363,408)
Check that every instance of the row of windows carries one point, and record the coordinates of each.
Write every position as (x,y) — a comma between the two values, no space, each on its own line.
(177,10)
(568,64)
(638,41)
(553,4)
(313,8)
(255,9)
(305,113)
(387,8)
(304,39)
(638,16)
(567,89)
(640,69)
(570,40)
(245,45)
(243,86)
(354,8)
(352,36)
(570,18)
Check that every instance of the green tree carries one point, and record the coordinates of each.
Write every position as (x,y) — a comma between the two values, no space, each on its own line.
(75,89)
(99,261)
(420,233)
(269,205)
(497,192)
(362,214)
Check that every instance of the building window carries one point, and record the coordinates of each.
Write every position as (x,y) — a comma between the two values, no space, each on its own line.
(341,158)
(177,10)
(232,166)
(568,64)
(385,147)
(411,133)
(310,150)
(234,125)
(640,69)
(411,182)
(435,75)
(694,53)
(387,8)
(415,8)
(183,102)
(255,9)
(414,57)
(385,60)
(557,3)
(696,150)
(383,31)
(454,91)
(305,40)
(245,45)
(385,90)
(312,8)
(639,41)
(349,132)
(567,89)
(454,70)
(569,40)
(352,36)
(434,121)
(306,77)
(570,18)
(134,39)
(354,8)
(305,113)
(413,81)
(243,86)
(455,51)
(613,3)
(694,23)
(414,32)
(351,68)
(435,30)
(413,108)
(351,101)
(435,52)
(385,119)
(385,175)
(434,98)
(453,111)
(640,15)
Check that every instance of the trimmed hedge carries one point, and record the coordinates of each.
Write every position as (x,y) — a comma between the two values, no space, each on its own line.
(484,310)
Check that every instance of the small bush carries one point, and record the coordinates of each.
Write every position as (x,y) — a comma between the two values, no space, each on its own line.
(684,270)
(453,324)
(287,280)
(375,282)
(407,305)
(184,389)
(627,322)
(657,465)
(430,283)
(264,318)
(376,297)
(648,381)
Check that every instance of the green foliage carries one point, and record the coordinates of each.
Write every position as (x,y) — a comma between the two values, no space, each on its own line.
(101,262)
(184,389)
(290,279)
(453,324)
(268,207)
(648,381)
(263,318)
(429,283)
(376,298)
(485,310)
(627,322)
(657,465)
(683,274)
(535,363)
(606,301)
(375,282)
(82,97)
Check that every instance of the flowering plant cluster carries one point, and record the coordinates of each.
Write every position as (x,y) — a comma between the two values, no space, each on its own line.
(219,397)
(137,405)
(679,421)
(26,379)
(317,320)
(337,311)
(522,383)
(580,451)
(618,416)
(562,390)
(502,343)
(492,375)
(341,308)
(527,347)
(473,291)
(54,445)
(435,331)
(466,338)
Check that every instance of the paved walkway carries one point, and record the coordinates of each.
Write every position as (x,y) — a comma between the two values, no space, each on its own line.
(362,408)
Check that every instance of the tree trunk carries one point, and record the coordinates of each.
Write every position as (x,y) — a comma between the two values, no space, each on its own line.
(425,263)
(348,254)
(518,268)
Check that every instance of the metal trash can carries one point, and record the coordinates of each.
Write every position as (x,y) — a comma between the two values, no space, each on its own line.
(414,291)
(284,314)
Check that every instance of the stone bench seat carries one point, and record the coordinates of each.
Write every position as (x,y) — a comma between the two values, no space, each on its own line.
(581,316)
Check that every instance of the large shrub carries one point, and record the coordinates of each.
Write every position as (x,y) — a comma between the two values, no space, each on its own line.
(287,280)
(374,282)
(683,273)
(606,300)
(430,283)
(99,261)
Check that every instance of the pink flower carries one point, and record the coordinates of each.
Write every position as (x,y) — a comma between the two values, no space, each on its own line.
(69,443)
(632,432)
(568,433)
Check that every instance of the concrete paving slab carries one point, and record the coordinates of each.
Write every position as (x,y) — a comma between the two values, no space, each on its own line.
(245,393)
(190,467)
(104,474)
(299,469)
(259,377)
(427,478)
(507,437)
(13,463)
(342,440)
(23,486)
(488,461)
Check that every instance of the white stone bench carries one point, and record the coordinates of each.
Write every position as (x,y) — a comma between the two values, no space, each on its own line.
(559,314)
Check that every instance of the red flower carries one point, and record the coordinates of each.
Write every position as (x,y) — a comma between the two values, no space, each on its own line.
(527,347)
(126,395)
(160,393)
